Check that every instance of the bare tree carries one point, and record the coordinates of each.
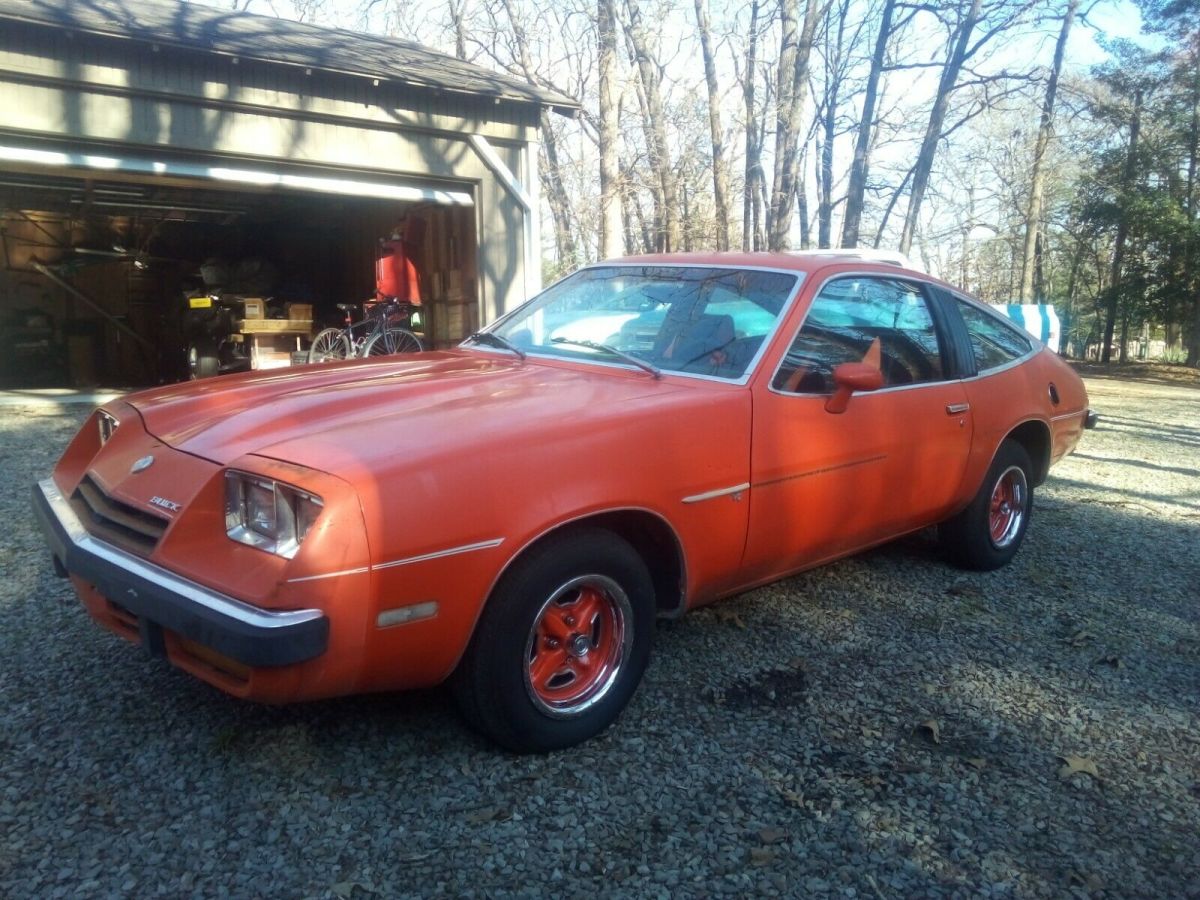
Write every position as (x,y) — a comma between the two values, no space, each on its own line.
(858,169)
(551,168)
(1033,212)
(1118,258)
(656,130)
(795,54)
(609,134)
(960,48)
(719,169)
(755,179)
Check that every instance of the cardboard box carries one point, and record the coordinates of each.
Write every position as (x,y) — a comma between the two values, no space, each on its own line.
(300,311)
(256,308)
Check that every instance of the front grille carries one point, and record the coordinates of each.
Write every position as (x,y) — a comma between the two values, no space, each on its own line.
(114,521)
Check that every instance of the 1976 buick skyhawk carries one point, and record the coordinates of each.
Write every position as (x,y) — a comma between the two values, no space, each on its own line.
(645,437)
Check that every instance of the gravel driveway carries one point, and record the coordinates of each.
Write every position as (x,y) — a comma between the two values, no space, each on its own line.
(883,727)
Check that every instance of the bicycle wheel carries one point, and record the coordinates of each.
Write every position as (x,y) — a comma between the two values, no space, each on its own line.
(329,345)
(392,340)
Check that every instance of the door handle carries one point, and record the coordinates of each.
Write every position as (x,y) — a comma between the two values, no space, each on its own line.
(957,409)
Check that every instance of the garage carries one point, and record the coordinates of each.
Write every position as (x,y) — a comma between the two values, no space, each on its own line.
(185,191)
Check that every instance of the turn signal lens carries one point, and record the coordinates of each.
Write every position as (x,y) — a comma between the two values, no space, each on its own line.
(268,514)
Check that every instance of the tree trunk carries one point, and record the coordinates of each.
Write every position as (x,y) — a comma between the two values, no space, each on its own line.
(866,126)
(610,183)
(457,8)
(1191,276)
(795,53)
(550,170)
(1118,260)
(1033,211)
(753,170)
(556,197)
(656,131)
(829,127)
(720,171)
(937,119)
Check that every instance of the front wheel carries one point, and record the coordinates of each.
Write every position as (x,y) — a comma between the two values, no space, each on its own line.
(562,644)
(987,534)
(392,340)
(329,345)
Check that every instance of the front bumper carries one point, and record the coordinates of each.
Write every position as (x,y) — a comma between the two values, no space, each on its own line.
(161,599)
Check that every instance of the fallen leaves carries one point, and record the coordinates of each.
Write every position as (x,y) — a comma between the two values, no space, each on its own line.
(931,730)
(728,615)
(1077,765)
(487,814)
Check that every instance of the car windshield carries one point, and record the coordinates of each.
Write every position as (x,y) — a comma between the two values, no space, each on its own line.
(695,320)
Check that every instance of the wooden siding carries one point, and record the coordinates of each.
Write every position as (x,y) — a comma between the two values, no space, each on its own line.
(91,92)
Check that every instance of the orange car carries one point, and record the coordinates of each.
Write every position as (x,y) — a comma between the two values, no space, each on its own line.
(644,437)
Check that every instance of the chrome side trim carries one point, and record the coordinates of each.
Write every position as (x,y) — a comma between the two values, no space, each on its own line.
(359,571)
(721,492)
(202,596)
(438,554)
(1070,415)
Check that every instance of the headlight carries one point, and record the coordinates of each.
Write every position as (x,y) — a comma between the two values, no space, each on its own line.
(268,514)
(107,425)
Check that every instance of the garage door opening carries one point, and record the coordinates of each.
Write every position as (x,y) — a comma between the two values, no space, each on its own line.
(114,281)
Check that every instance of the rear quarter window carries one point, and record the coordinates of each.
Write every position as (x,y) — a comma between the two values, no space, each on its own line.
(994,341)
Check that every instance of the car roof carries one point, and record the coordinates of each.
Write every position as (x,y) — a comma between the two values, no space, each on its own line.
(807,262)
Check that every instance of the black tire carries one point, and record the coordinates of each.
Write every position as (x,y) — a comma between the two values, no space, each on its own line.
(584,679)
(392,340)
(203,360)
(987,534)
(329,345)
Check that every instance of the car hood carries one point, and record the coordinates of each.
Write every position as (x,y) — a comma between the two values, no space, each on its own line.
(322,416)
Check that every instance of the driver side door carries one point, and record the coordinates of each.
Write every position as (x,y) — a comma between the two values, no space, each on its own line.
(824,484)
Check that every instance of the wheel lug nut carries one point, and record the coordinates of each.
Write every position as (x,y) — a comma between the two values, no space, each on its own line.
(570,620)
(552,643)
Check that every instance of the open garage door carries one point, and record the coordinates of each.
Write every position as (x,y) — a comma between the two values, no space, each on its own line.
(107,260)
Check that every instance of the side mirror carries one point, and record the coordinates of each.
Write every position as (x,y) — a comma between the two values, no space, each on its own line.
(851,377)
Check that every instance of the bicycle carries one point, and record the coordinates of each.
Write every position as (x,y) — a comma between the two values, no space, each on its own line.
(376,334)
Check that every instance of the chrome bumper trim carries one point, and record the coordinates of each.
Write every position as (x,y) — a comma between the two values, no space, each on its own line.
(247,633)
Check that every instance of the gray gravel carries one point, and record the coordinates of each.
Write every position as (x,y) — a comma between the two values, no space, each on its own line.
(776,747)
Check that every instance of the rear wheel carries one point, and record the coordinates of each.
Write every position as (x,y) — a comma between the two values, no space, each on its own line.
(330,344)
(203,361)
(987,534)
(392,340)
(562,644)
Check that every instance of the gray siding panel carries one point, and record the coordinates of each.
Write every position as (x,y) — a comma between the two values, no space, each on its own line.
(88,93)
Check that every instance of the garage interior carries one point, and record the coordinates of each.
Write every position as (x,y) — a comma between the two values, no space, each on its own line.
(97,273)
(163,160)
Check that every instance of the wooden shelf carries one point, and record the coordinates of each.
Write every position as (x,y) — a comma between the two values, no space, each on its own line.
(274,326)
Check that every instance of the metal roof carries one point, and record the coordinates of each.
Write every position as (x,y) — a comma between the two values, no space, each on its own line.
(269,39)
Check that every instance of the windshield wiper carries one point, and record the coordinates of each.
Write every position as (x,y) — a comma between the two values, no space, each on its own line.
(495,340)
(612,351)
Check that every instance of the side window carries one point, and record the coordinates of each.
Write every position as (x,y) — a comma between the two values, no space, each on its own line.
(993,340)
(884,322)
